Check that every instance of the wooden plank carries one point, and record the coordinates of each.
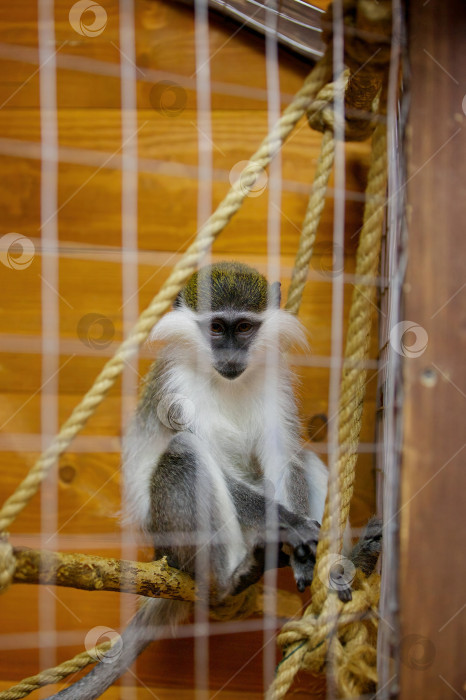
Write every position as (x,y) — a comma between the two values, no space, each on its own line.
(433,567)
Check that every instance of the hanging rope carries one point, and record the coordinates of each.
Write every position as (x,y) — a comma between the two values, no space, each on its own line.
(113,368)
(57,673)
(162,301)
(306,643)
(330,631)
(311,223)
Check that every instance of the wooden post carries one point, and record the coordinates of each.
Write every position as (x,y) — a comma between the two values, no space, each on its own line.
(433,563)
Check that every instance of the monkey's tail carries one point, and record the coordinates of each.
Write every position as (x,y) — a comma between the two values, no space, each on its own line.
(144,628)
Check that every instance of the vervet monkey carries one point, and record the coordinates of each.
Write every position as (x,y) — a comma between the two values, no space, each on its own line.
(213,462)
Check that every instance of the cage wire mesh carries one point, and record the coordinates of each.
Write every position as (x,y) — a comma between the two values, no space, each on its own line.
(53,156)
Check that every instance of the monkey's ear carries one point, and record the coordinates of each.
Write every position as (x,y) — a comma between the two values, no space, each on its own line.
(275,295)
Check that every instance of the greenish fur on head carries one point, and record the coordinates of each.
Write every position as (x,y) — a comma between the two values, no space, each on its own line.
(227,285)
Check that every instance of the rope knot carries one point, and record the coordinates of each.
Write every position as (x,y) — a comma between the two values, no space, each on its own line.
(347,632)
(321,114)
(7,563)
(367,47)
(306,639)
(357,124)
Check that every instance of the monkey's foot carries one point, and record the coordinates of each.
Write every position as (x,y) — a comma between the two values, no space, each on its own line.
(366,552)
(301,544)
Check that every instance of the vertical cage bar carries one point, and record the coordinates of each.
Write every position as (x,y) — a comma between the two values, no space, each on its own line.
(50,308)
(336,351)
(129,245)
(272,358)
(204,209)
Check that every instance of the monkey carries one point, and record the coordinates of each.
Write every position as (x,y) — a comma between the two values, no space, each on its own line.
(214,470)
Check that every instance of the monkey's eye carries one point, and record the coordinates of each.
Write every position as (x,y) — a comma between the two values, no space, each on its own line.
(243,327)
(216,328)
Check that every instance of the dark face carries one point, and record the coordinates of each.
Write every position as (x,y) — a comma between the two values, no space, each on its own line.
(230,336)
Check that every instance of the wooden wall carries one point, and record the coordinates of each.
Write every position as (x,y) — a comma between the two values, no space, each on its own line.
(90,282)
(433,479)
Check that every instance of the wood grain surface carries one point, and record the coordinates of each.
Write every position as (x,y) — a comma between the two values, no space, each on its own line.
(90,281)
(433,566)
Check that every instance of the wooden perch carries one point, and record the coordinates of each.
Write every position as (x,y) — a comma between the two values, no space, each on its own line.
(155,579)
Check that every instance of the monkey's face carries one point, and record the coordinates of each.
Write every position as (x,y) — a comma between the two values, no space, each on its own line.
(230,335)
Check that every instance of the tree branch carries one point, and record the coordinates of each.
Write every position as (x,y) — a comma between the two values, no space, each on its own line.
(155,579)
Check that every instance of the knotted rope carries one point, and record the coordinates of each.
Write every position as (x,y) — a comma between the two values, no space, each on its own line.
(345,634)
(328,625)
(7,563)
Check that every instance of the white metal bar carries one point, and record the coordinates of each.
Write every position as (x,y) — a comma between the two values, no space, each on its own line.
(204,209)
(338,283)
(49,306)
(129,243)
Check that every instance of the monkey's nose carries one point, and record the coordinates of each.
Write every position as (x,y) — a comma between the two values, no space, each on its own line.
(231,370)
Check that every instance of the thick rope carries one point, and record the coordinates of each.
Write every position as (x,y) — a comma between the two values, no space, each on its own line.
(162,301)
(311,222)
(236,607)
(57,673)
(239,606)
(113,368)
(306,642)
(353,381)
(7,563)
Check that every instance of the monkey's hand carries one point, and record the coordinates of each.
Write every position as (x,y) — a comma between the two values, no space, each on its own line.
(300,543)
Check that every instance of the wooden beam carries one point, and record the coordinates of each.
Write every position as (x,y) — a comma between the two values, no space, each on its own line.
(433,565)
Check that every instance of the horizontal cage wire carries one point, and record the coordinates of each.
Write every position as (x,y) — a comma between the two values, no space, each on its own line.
(265,124)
